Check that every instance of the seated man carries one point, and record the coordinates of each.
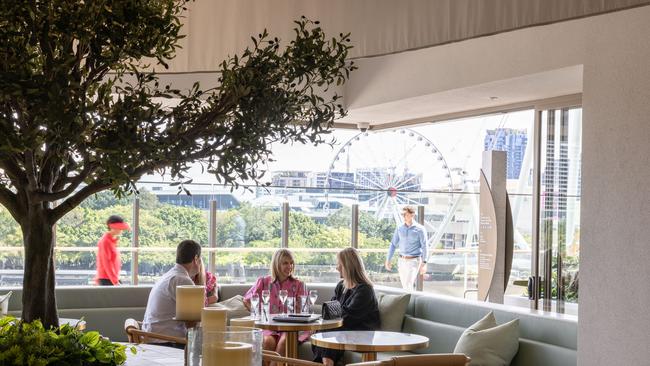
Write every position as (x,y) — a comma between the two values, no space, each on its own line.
(161,306)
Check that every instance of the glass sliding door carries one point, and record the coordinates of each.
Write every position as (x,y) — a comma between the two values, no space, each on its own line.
(559,208)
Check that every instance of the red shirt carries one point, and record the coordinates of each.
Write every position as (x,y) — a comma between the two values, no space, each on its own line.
(108,259)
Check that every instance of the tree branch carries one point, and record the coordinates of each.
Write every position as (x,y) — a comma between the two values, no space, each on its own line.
(12,170)
(30,170)
(10,201)
(73,201)
(74,182)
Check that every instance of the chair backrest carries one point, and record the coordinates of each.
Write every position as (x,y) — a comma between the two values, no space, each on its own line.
(445,359)
(270,356)
(441,359)
(137,336)
(129,325)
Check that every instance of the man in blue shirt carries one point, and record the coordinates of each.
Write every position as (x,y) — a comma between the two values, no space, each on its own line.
(411,240)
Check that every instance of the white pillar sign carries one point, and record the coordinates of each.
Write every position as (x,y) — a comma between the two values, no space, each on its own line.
(495,229)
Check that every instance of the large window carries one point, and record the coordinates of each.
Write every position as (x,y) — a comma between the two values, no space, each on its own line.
(372,175)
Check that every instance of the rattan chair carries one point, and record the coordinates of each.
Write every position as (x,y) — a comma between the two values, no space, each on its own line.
(270,356)
(136,335)
(444,359)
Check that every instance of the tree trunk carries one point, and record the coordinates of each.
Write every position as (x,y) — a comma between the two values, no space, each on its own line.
(39,300)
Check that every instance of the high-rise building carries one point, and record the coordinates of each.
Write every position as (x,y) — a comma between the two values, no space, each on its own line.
(513,142)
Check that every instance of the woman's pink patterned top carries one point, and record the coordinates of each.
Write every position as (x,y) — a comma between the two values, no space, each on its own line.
(294,288)
(210,286)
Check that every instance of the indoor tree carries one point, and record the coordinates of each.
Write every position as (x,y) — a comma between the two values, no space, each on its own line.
(82,111)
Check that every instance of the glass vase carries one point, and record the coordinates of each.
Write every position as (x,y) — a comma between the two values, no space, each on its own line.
(235,346)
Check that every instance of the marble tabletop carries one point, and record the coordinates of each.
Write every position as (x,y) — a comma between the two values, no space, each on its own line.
(369,341)
(152,355)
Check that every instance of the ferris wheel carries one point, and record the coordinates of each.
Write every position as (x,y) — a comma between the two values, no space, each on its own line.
(389,169)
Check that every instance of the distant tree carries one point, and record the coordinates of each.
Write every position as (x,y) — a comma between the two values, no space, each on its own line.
(105,199)
(368,223)
(79,116)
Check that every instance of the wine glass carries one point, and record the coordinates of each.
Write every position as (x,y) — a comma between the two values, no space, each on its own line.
(304,307)
(283,298)
(313,296)
(255,302)
(266,296)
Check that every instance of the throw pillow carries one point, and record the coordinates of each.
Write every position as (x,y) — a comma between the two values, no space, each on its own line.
(391,311)
(489,344)
(235,307)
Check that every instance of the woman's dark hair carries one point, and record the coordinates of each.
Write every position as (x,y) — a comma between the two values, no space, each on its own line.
(186,251)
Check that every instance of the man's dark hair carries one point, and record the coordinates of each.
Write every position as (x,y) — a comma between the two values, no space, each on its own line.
(114,219)
(186,251)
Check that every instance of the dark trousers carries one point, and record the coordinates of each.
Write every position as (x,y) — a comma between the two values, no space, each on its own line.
(320,353)
(104,282)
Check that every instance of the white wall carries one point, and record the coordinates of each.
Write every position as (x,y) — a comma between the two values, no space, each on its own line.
(614,325)
(615,222)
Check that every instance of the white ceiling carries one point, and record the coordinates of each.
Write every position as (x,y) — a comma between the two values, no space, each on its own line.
(430,107)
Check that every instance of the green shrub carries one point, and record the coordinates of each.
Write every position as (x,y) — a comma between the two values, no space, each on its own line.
(31,344)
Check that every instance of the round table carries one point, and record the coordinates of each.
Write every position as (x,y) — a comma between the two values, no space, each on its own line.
(292,329)
(152,355)
(369,342)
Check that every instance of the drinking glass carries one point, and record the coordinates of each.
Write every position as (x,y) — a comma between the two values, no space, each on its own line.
(266,296)
(255,303)
(304,307)
(313,296)
(283,298)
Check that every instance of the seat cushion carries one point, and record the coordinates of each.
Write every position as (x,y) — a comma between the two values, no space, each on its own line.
(489,344)
(391,311)
(235,307)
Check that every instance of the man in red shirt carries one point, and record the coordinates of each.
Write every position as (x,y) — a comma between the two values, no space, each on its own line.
(108,258)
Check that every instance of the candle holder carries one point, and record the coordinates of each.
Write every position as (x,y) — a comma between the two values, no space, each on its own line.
(235,346)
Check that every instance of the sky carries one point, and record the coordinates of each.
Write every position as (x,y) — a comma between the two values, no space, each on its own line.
(459,142)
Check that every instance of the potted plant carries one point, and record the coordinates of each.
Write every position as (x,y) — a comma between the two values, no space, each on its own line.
(31,344)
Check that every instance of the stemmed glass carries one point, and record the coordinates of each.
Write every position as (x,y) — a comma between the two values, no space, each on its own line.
(266,296)
(313,296)
(255,302)
(283,298)
(304,307)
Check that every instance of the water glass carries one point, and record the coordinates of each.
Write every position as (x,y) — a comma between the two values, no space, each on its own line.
(313,296)
(304,307)
(255,303)
(291,305)
(266,296)
(283,299)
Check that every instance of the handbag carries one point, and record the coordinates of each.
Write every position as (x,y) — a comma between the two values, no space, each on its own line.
(332,310)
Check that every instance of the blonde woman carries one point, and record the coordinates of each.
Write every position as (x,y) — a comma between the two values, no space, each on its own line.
(357,298)
(281,278)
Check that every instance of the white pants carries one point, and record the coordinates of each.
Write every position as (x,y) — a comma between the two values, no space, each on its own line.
(408,272)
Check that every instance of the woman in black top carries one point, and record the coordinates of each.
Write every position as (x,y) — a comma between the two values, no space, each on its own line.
(357,298)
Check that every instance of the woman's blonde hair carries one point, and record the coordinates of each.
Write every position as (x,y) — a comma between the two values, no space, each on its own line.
(278,258)
(352,269)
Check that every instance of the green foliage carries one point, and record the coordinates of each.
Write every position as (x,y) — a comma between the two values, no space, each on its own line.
(368,223)
(83,111)
(10,234)
(244,227)
(31,344)
(64,62)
